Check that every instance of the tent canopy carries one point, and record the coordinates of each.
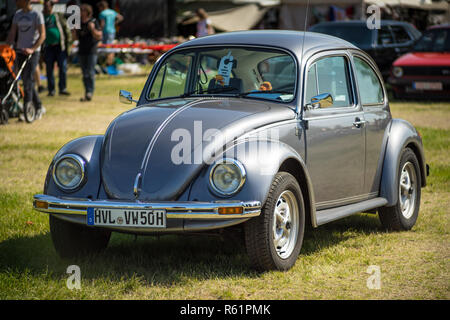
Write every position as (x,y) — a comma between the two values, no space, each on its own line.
(239,18)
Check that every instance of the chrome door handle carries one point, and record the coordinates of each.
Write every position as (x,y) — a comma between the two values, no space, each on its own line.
(359,123)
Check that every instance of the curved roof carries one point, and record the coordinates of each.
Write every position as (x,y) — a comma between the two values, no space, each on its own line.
(290,40)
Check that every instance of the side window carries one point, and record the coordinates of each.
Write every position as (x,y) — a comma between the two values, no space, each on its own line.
(400,34)
(207,70)
(279,71)
(311,85)
(330,75)
(370,88)
(385,36)
(171,78)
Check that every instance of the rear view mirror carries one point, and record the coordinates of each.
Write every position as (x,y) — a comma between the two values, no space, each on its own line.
(323,100)
(126,97)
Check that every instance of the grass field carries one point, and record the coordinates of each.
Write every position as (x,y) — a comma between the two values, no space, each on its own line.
(332,265)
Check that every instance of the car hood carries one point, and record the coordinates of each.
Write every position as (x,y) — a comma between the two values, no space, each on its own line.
(151,140)
(423,59)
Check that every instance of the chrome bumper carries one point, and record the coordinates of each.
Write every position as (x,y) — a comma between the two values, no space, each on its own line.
(190,210)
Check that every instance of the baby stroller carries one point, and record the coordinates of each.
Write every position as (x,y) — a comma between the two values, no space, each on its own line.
(11,93)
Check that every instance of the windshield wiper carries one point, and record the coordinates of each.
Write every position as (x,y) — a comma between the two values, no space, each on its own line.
(244,94)
(207,91)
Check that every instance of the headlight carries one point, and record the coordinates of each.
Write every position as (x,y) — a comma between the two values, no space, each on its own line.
(227,176)
(68,172)
(397,72)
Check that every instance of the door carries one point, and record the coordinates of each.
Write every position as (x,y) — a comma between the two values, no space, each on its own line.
(377,116)
(335,135)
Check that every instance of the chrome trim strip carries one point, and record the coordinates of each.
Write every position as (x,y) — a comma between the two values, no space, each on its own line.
(159,131)
(174,209)
(342,201)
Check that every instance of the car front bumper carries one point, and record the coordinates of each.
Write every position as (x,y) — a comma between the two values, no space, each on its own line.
(180,215)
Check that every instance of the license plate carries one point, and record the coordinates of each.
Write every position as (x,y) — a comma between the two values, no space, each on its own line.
(126,218)
(428,85)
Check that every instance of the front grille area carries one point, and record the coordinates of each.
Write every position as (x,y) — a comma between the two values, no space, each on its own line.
(427,71)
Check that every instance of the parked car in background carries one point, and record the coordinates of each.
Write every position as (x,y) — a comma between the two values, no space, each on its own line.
(424,72)
(393,39)
(265,131)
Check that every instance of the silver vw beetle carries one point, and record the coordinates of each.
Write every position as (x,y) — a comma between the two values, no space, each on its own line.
(269,131)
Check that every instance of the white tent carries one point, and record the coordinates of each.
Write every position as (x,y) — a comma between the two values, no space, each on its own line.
(239,18)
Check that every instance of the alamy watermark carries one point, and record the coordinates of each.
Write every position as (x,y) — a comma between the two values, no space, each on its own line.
(199,146)
(374,20)
(73,17)
(74,280)
(374,280)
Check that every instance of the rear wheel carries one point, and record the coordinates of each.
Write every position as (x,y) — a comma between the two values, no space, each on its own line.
(274,238)
(74,240)
(404,214)
(4,116)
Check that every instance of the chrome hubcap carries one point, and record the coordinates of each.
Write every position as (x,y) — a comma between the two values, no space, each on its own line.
(407,190)
(285,224)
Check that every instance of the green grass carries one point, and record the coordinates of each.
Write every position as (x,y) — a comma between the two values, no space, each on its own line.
(332,264)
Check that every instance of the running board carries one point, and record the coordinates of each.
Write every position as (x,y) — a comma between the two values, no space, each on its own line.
(328,215)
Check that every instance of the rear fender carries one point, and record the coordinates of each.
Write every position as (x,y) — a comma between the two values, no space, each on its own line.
(402,135)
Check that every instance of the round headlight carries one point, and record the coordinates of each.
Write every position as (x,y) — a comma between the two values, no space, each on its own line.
(397,72)
(68,172)
(227,176)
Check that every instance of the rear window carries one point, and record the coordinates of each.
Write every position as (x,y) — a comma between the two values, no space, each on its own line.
(359,35)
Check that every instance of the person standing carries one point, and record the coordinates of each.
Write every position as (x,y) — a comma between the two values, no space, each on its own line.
(88,37)
(108,20)
(26,35)
(203,23)
(57,46)
(204,26)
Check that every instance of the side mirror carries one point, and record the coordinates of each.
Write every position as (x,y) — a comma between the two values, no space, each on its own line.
(323,100)
(126,97)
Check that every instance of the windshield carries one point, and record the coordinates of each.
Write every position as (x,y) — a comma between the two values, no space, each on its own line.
(230,71)
(437,40)
(355,34)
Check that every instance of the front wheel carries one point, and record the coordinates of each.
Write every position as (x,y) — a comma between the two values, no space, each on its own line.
(274,238)
(29,112)
(404,214)
(74,240)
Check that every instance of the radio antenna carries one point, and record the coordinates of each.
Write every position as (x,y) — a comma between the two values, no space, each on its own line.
(304,35)
(304,30)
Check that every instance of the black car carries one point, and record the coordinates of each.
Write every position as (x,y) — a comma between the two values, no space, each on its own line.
(384,45)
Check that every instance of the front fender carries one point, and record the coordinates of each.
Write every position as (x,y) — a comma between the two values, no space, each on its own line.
(260,166)
(89,149)
(402,134)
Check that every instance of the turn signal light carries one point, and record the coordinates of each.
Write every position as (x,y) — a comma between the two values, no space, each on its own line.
(41,204)
(231,210)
